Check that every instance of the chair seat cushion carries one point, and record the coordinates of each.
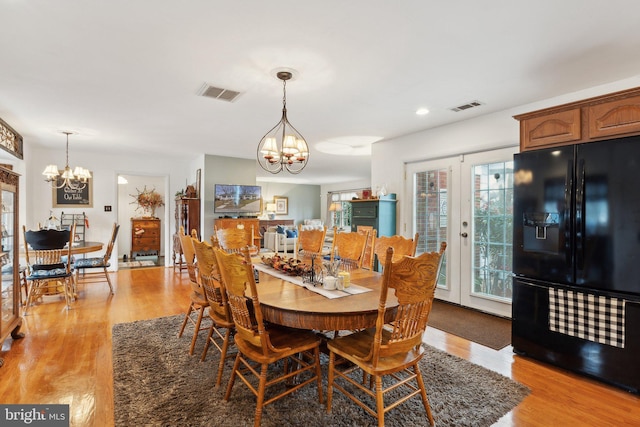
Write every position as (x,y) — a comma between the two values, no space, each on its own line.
(90,262)
(48,274)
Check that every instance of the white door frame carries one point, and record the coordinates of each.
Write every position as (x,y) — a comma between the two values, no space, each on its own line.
(459,249)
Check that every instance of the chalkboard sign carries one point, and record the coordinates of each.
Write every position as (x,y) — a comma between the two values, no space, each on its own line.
(68,197)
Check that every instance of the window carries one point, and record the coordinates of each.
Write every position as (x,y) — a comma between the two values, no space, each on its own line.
(339,206)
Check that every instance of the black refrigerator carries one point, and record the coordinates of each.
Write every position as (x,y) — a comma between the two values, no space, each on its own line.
(576,259)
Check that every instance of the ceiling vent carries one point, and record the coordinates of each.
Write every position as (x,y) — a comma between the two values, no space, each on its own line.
(466,106)
(218,93)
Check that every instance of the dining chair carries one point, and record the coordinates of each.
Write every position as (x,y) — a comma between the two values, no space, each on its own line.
(49,271)
(222,326)
(350,248)
(198,301)
(401,246)
(99,263)
(234,239)
(258,346)
(368,249)
(310,241)
(392,350)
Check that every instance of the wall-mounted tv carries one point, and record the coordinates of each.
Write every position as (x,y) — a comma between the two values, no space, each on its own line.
(237,199)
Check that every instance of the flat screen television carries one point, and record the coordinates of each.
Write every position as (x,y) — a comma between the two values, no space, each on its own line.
(237,199)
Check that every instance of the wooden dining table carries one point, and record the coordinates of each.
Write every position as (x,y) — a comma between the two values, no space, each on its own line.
(83,247)
(288,304)
(86,247)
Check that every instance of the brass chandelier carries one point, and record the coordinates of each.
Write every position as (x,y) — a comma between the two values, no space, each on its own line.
(75,180)
(283,148)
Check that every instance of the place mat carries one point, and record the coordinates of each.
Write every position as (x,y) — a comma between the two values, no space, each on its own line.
(353,289)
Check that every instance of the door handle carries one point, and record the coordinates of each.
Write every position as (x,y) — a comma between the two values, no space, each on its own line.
(464,234)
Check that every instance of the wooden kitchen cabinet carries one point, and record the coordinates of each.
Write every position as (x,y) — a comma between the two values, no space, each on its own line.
(551,130)
(621,117)
(145,236)
(594,119)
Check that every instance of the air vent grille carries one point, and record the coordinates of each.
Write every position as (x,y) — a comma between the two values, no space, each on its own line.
(466,106)
(218,93)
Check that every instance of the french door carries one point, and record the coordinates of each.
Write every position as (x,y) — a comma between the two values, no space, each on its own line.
(466,201)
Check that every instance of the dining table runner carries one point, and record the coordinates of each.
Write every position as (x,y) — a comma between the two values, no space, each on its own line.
(353,289)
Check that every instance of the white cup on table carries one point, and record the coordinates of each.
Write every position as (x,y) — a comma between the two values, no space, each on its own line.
(329,282)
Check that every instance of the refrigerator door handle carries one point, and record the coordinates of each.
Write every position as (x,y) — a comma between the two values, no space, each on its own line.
(568,186)
(580,210)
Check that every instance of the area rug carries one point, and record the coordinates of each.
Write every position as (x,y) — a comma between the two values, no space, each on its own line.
(135,264)
(482,328)
(157,383)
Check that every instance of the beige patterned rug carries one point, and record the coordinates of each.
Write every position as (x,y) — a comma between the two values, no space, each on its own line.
(135,264)
(157,383)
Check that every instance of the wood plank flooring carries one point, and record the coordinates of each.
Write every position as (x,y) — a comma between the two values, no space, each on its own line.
(66,358)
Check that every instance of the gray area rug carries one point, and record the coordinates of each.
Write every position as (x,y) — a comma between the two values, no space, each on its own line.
(157,383)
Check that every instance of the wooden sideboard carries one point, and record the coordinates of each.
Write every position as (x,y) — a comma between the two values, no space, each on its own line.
(594,119)
(235,222)
(145,236)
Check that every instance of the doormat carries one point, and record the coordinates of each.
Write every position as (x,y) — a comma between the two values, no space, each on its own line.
(482,328)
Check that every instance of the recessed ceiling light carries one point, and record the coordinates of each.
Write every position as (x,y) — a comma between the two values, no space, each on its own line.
(422,111)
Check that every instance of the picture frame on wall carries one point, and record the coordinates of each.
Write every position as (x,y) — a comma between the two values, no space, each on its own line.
(69,197)
(282,205)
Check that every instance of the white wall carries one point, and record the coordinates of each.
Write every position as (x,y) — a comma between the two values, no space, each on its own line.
(105,168)
(491,131)
(304,199)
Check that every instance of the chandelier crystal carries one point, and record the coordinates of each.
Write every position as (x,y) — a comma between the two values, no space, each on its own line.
(283,148)
(75,180)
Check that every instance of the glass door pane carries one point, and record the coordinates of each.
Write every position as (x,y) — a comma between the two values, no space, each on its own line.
(487,194)
(492,229)
(431,202)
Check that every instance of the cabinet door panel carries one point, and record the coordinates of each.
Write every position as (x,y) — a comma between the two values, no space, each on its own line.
(614,118)
(549,130)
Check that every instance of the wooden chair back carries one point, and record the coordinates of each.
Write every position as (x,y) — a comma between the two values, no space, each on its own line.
(367,261)
(237,274)
(414,281)
(310,241)
(48,258)
(400,244)
(186,243)
(210,280)
(234,239)
(350,247)
(112,242)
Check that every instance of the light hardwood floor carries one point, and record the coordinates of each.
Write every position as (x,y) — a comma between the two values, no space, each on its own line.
(66,358)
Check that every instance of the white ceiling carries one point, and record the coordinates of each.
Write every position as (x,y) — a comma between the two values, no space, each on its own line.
(125,73)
